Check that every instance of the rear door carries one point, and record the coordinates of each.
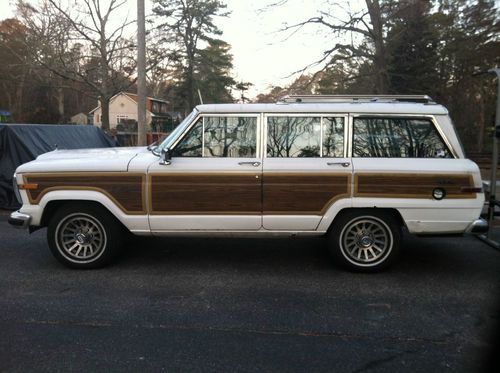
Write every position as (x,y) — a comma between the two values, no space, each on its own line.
(306,169)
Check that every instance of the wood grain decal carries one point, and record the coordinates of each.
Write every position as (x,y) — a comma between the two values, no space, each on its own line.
(411,185)
(303,193)
(126,190)
(206,194)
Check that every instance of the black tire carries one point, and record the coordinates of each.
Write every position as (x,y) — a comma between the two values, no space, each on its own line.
(84,236)
(364,240)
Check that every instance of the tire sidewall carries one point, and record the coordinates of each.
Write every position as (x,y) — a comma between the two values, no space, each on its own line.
(106,221)
(64,253)
(338,230)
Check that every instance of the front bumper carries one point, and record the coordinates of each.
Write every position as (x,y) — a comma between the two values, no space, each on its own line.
(19,220)
(478,226)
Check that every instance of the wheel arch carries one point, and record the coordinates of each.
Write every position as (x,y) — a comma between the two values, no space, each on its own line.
(54,205)
(392,211)
(53,201)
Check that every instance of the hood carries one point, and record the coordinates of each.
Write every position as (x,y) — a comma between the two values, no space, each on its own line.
(101,159)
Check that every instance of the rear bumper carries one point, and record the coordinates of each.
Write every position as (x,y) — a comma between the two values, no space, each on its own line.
(19,220)
(478,226)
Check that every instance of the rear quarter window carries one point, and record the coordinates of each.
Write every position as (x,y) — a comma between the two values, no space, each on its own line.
(397,138)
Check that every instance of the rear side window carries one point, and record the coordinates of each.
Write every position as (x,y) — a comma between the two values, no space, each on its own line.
(397,138)
(296,136)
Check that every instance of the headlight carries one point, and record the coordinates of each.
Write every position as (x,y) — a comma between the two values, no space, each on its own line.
(16,190)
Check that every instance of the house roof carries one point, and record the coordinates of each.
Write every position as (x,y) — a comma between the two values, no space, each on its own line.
(135,97)
(131,96)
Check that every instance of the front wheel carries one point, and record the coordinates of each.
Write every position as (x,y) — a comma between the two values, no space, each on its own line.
(82,236)
(365,240)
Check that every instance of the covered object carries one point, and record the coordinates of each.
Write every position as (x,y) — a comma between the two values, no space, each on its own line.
(21,143)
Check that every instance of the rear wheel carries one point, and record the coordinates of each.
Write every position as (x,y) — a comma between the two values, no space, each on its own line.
(365,240)
(81,236)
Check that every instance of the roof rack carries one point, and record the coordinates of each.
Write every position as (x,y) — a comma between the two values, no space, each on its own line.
(424,99)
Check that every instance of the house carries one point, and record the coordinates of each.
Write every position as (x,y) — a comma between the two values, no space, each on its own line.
(123,113)
(80,118)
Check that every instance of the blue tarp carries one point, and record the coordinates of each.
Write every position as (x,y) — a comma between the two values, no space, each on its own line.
(21,143)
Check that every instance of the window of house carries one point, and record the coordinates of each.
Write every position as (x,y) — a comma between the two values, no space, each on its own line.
(397,138)
(301,136)
(121,118)
(220,136)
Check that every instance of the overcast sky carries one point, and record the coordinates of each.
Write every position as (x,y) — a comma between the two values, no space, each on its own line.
(261,55)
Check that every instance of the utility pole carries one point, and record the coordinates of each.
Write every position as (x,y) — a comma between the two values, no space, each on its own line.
(141,74)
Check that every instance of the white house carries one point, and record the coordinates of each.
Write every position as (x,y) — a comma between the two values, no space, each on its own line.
(80,118)
(123,109)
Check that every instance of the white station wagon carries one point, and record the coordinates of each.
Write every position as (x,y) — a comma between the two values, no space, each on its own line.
(356,169)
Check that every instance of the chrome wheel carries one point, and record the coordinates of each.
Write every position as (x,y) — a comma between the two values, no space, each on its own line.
(80,238)
(366,241)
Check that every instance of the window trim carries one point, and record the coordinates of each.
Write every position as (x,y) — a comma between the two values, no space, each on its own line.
(430,118)
(310,115)
(204,115)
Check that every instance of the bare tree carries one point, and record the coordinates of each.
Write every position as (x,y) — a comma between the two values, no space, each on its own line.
(357,35)
(81,45)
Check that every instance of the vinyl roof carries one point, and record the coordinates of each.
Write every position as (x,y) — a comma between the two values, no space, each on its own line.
(361,107)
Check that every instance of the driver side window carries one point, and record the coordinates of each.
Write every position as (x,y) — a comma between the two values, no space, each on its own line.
(220,136)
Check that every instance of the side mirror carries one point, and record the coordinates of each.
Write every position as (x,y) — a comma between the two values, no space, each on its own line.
(165,157)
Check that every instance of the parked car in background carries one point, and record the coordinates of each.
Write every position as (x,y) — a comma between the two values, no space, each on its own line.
(355,169)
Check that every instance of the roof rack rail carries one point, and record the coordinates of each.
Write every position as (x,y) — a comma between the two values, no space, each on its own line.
(356,98)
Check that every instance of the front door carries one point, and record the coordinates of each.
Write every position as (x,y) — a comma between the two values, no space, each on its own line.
(306,169)
(214,180)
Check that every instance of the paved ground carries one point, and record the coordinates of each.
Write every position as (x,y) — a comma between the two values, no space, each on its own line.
(246,305)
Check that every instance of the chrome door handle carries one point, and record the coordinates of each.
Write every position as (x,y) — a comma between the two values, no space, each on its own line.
(255,164)
(343,164)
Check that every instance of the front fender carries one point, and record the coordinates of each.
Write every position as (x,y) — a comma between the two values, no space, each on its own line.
(134,223)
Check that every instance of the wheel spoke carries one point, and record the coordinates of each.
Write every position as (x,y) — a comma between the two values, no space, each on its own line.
(79,249)
(81,237)
(365,240)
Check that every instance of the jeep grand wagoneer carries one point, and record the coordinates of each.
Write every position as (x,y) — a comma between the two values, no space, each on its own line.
(357,169)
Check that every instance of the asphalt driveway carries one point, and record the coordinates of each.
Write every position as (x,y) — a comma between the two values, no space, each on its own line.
(246,305)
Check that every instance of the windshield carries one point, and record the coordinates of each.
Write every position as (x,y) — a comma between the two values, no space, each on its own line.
(178,130)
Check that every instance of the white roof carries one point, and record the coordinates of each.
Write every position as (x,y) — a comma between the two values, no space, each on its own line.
(358,107)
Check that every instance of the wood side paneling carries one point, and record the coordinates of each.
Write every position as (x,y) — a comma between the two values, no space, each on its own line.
(303,193)
(206,194)
(411,185)
(126,190)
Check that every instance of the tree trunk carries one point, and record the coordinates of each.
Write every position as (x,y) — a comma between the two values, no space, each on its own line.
(190,86)
(18,105)
(480,123)
(104,70)
(380,62)
(8,94)
(60,104)
(105,113)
